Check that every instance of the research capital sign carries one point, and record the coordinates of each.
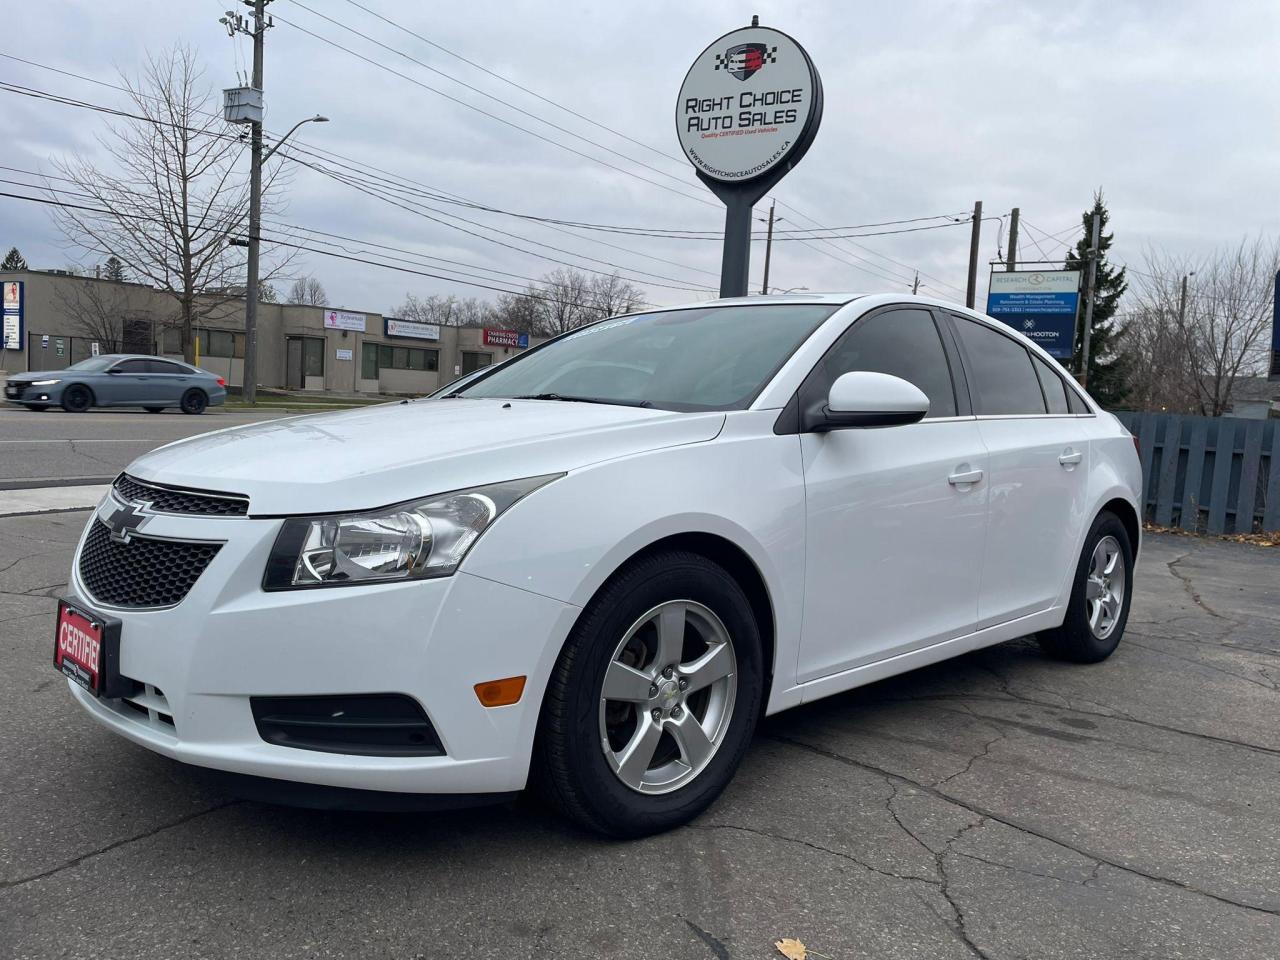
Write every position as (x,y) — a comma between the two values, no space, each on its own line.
(748,110)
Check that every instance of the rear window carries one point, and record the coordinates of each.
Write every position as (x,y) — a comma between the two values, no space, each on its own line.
(1055,391)
(1001,376)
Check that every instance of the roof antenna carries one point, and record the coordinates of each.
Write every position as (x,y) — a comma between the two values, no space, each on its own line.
(755,20)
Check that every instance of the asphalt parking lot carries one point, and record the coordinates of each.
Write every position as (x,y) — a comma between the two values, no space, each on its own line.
(53,447)
(1001,805)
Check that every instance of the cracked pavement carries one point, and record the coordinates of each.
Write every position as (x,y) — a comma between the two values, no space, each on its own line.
(1002,805)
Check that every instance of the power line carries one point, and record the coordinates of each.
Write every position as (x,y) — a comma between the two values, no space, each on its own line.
(426,66)
(518,86)
(494,116)
(67,101)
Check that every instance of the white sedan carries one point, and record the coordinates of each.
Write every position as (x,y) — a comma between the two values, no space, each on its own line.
(595,567)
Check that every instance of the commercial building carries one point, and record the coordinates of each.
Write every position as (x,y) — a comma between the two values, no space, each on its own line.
(53,319)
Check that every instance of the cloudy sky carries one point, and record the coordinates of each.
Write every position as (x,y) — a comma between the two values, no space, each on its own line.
(1172,108)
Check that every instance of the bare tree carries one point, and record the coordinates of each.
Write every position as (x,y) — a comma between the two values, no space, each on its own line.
(173,198)
(612,295)
(1201,346)
(446,311)
(517,311)
(102,312)
(309,292)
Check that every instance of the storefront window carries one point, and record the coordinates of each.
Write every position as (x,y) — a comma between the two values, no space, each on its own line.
(312,357)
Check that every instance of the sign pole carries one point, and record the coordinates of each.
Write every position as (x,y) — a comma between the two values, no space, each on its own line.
(748,110)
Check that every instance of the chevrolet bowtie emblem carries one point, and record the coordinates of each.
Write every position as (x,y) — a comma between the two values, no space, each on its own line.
(124,520)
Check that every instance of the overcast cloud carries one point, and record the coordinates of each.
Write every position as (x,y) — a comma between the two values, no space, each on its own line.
(1171,107)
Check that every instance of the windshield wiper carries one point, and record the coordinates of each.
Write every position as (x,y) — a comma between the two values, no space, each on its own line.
(571,399)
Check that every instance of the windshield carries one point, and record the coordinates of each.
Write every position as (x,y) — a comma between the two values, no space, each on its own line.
(715,358)
(90,364)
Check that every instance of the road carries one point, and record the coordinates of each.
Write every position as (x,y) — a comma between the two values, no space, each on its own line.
(1002,805)
(55,447)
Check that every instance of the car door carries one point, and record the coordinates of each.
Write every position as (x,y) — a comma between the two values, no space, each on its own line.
(894,516)
(167,382)
(125,383)
(1038,471)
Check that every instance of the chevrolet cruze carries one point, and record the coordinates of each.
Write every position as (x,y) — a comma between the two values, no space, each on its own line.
(593,569)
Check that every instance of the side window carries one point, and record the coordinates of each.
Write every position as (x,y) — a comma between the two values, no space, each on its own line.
(1055,391)
(1001,376)
(902,343)
(1076,403)
(132,366)
(164,366)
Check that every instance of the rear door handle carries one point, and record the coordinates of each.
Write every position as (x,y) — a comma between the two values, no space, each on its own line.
(968,476)
(1070,457)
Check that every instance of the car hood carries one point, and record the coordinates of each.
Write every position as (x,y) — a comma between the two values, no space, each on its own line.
(388,453)
(31,375)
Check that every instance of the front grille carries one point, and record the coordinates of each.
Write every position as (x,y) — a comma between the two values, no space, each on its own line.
(142,572)
(166,500)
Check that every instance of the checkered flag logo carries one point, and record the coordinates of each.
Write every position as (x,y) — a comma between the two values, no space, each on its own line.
(746,59)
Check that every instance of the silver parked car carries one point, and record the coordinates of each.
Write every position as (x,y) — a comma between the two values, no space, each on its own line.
(119,380)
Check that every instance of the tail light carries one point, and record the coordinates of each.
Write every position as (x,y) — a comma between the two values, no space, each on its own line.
(222,382)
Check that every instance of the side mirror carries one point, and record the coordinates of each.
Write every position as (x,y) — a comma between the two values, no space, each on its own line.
(865,399)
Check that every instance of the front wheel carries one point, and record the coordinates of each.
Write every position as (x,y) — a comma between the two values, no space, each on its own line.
(1100,596)
(194,401)
(76,398)
(654,699)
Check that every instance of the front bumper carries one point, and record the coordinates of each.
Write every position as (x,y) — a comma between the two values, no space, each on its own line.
(433,640)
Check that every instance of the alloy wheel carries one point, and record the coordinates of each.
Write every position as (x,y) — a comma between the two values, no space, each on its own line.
(1104,589)
(667,697)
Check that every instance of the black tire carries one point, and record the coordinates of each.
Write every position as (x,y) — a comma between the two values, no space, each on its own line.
(154,409)
(194,401)
(569,766)
(1075,640)
(76,398)
(37,407)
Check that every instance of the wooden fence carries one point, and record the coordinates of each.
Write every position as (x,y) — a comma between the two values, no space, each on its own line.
(1209,474)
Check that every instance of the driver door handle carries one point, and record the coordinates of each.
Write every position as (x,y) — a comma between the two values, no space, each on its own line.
(1070,457)
(968,476)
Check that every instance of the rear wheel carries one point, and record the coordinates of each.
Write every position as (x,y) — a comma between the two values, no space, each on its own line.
(1100,597)
(194,401)
(76,398)
(654,698)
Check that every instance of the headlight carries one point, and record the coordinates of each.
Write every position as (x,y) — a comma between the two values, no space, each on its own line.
(44,383)
(409,541)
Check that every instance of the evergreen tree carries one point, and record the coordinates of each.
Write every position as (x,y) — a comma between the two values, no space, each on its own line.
(13,260)
(1107,365)
(113,270)
(266,293)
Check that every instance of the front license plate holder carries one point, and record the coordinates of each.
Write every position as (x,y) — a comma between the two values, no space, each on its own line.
(86,648)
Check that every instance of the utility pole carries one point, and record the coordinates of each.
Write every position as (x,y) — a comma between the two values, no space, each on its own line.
(971,292)
(1182,305)
(1011,262)
(250,388)
(768,250)
(1090,291)
(915,284)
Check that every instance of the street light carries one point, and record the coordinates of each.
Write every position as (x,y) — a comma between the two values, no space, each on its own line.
(249,388)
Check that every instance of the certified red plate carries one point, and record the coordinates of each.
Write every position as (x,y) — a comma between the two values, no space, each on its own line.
(79,647)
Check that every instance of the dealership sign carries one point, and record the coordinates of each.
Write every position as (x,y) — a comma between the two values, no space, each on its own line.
(13,310)
(505,338)
(747,111)
(341,320)
(749,104)
(1040,304)
(411,328)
